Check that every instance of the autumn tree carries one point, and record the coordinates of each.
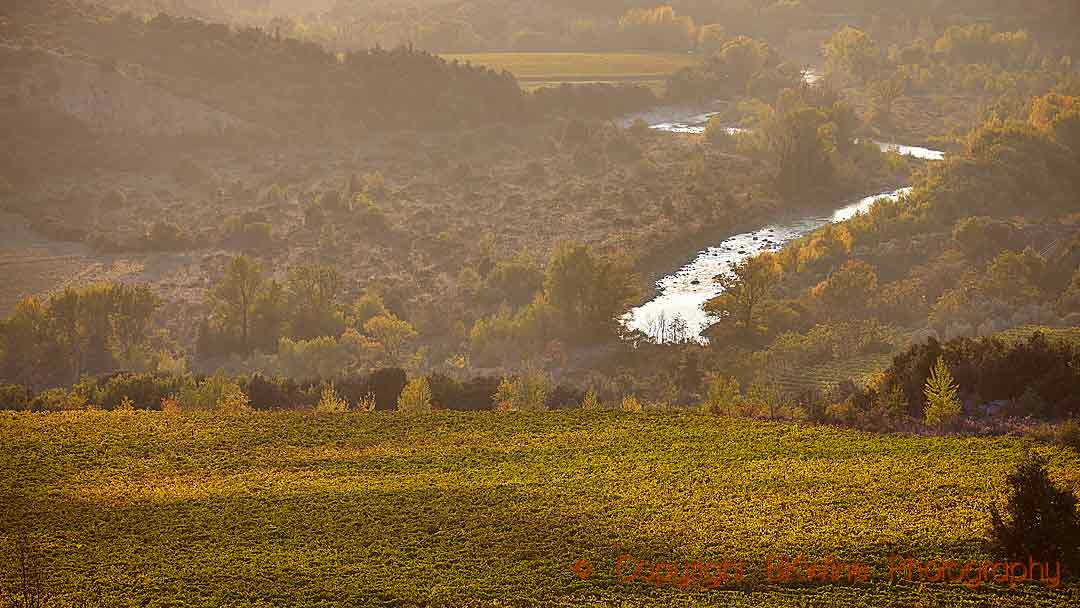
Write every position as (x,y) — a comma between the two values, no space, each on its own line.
(854,52)
(392,334)
(747,288)
(847,290)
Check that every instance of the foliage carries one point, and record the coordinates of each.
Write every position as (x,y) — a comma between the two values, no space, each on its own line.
(942,403)
(994,369)
(747,288)
(416,397)
(724,397)
(88,330)
(854,52)
(330,403)
(285,466)
(587,291)
(1040,518)
(526,392)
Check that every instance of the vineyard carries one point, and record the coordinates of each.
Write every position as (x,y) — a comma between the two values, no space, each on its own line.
(1021,334)
(860,369)
(550,69)
(151,509)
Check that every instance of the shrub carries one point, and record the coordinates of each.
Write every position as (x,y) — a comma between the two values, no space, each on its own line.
(14,397)
(415,397)
(386,385)
(724,396)
(630,403)
(590,401)
(1040,520)
(214,393)
(330,403)
(527,392)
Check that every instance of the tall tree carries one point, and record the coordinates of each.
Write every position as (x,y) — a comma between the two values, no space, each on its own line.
(236,295)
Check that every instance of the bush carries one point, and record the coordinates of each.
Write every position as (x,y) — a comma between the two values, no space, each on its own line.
(330,403)
(386,385)
(14,397)
(275,393)
(214,393)
(527,392)
(416,397)
(724,396)
(145,390)
(1040,520)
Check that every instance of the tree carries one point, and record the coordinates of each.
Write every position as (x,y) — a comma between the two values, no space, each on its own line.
(1040,518)
(747,287)
(415,397)
(942,403)
(313,292)
(235,297)
(853,51)
(1016,276)
(587,291)
(846,291)
(1059,116)
(795,139)
(392,333)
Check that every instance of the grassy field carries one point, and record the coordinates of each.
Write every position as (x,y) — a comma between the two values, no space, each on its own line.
(535,69)
(490,509)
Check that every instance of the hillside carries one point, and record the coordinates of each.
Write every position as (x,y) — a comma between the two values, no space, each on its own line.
(492,509)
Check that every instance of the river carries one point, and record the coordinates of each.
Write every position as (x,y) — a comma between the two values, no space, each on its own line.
(676,312)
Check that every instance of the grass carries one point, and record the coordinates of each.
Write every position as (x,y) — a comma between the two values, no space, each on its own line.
(489,509)
(582,67)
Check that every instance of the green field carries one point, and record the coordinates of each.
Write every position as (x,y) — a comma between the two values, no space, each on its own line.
(150,509)
(556,68)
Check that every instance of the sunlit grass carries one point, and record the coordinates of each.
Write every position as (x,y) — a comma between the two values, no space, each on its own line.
(488,509)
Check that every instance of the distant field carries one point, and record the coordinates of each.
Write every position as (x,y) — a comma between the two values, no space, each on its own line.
(532,69)
(859,369)
(1065,334)
(148,509)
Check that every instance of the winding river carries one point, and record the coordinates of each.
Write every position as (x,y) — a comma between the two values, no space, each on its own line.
(676,312)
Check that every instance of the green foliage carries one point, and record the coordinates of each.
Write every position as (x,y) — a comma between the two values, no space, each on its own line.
(845,292)
(217,393)
(235,296)
(588,291)
(942,403)
(88,330)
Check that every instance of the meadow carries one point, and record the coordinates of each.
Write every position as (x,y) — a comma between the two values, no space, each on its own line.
(489,509)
